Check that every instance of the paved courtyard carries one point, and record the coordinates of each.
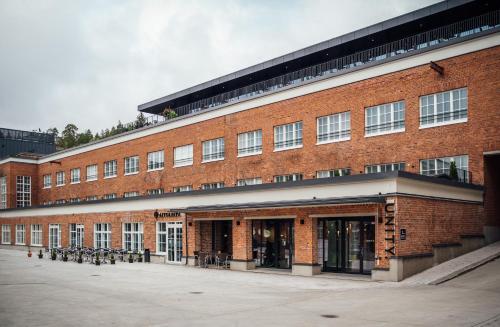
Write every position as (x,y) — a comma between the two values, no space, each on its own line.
(36,292)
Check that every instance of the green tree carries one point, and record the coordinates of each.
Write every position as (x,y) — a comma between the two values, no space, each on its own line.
(84,138)
(169,113)
(140,121)
(69,136)
(453,171)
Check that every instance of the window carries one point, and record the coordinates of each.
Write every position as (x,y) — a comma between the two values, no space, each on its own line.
(20,234)
(60,201)
(130,194)
(385,119)
(250,143)
(443,108)
(110,168)
(156,160)
(3,192)
(288,136)
(155,191)
(60,178)
(334,128)
(5,234)
(109,196)
(131,165)
(383,168)
(169,240)
(74,200)
(91,198)
(102,236)
(47,181)
(54,236)
(133,236)
(36,235)
(213,150)
(185,188)
(47,203)
(23,194)
(75,175)
(288,178)
(249,181)
(183,155)
(440,166)
(91,173)
(212,186)
(333,173)
(76,233)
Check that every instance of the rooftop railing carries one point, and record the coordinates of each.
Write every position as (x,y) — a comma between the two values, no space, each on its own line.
(419,41)
(25,136)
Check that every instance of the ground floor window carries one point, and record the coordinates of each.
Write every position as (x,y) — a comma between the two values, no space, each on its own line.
(36,235)
(55,234)
(169,240)
(133,236)
(272,243)
(102,236)
(20,234)
(5,234)
(76,232)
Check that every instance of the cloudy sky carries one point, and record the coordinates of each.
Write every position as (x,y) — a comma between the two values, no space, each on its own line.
(92,63)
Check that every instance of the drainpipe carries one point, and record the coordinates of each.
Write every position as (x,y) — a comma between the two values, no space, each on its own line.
(187,247)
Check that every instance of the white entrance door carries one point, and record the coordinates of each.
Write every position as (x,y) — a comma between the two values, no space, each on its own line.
(54,236)
(174,242)
(76,232)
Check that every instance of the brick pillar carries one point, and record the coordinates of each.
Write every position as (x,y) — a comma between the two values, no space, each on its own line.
(88,233)
(242,245)
(192,229)
(305,261)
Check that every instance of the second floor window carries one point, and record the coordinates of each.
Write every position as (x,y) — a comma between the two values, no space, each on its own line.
(249,181)
(131,165)
(333,173)
(23,191)
(183,155)
(288,178)
(250,143)
(75,175)
(156,160)
(91,173)
(60,178)
(384,168)
(334,128)
(213,150)
(443,108)
(288,136)
(441,166)
(110,168)
(47,181)
(384,119)
(3,192)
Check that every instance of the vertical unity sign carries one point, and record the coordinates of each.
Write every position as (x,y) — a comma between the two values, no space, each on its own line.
(390,228)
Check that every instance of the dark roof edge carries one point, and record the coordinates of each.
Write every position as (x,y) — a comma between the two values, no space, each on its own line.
(269,186)
(375,28)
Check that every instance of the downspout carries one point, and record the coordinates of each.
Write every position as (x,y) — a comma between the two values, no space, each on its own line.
(187,247)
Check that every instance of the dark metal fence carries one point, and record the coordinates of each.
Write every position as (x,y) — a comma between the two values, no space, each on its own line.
(13,134)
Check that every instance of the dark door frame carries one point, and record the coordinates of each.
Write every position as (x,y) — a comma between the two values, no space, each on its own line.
(277,239)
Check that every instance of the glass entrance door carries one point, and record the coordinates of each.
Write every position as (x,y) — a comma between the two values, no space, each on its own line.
(273,243)
(76,232)
(347,245)
(54,236)
(174,242)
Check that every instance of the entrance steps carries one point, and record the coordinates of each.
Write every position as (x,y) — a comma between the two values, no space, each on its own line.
(455,267)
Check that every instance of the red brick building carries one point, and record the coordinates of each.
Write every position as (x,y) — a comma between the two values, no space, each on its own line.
(374,152)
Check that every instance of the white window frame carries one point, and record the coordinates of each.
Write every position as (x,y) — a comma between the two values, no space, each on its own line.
(23,191)
(333,128)
(249,181)
(91,198)
(384,168)
(92,172)
(288,136)
(288,178)
(74,176)
(333,173)
(109,196)
(131,165)
(60,201)
(155,191)
(438,111)
(183,188)
(47,181)
(3,192)
(55,234)
(136,233)
(250,143)
(131,194)
(20,234)
(183,155)
(36,235)
(102,235)
(110,169)
(385,119)
(6,234)
(173,236)
(212,186)
(213,150)
(60,178)
(76,235)
(156,160)
(441,166)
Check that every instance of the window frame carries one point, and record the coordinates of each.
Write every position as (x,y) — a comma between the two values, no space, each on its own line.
(156,165)
(114,169)
(209,186)
(217,150)
(131,165)
(36,234)
(245,148)
(252,180)
(73,173)
(452,110)
(45,183)
(334,120)
(3,192)
(443,161)
(184,161)
(6,231)
(385,165)
(396,108)
(23,191)
(294,177)
(93,177)
(60,181)
(178,189)
(108,232)
(139,230)
(281,133)
(332,172)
